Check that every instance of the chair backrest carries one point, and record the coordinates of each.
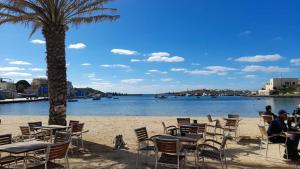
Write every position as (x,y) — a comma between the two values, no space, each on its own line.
(167,145)
(183,121)
(61,137)
(25,130)
(188,129)
(209,118)
(34,124)
(141,134)
(201,127)
(267,118)
(77,127)
(231,122)
(233,116)
(57,151)
(164,127)
(260,113)
(5,139)
(73,122)
(263,131)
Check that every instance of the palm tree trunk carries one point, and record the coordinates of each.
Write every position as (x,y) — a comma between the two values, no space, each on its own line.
(56,71)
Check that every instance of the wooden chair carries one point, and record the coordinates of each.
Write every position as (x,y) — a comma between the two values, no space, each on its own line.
(201,129)
(168,153)
(143,141)
(77,133)
(169,129)
(265,139)
(8,159)
(267,119)
(61,137)
(32,125)
(236,116)
(73,122)
(54,152)
(208,150)
(231,126)
(183,121)
(25,133)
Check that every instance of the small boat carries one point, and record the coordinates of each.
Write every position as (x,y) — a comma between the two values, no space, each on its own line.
(72,100)
(161,97)
(97,98)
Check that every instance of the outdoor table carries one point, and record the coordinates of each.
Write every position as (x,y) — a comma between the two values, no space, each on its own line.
(193,138)
(23,147)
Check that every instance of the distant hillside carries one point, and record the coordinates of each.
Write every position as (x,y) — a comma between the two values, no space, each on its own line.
(214,92)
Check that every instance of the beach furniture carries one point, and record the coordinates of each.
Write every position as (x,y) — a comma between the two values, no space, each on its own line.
(183,121)
(143,141)
(216,125)
(25,133)
(77,133)
(188,129)
(169,129)
(265,139)
(54,152)
(168,153)
(267,119)
(201,129)
(231,126)
(208,150)
(234,116)
(73,122)
(61,137)
(6,139)
(32,125)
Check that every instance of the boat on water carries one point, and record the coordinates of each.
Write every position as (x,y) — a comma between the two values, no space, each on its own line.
(72,100)
(161,97)
(97,98)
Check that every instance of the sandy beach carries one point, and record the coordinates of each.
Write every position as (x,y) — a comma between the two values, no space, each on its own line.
(98,147)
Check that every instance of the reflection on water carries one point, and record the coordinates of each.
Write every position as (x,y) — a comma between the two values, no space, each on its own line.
(148,105)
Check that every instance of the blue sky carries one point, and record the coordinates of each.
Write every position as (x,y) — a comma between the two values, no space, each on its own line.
(170,45)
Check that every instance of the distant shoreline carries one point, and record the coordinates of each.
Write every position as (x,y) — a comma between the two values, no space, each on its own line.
(23,100)
(276,96)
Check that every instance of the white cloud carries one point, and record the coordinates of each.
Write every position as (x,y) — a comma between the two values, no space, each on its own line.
(77,46)
(67,64)
(38,41)
(178,69)
(16,74)
(166,79)
(295,62)
(260,58)
(164,57)
(85,64)
(131,81)
(268,69)
(195,64)
(91,75)
(96,79)
(249,76)
(245,33)
(10,69)
(115,66)
(36,69)
(19,62)
(124,52)
(211,70)
(137,60)
(157,71)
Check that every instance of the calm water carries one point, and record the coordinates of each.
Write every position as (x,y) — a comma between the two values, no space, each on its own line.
(148,105)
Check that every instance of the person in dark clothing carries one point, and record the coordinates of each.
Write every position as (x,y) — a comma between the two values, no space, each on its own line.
(269,112)
(297,110)
(278,126)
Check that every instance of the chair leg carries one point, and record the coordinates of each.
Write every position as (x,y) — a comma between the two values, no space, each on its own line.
(137,160)
(225,162)
(267,149)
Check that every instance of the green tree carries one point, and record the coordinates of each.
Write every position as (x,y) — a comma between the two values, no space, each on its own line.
(21,85)
(54,17)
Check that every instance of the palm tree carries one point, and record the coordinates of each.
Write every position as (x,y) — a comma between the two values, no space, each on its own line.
(54,17)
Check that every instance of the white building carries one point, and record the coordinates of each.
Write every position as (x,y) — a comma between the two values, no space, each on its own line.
(278,83)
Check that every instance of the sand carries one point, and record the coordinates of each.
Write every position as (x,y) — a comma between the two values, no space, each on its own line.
(98,147)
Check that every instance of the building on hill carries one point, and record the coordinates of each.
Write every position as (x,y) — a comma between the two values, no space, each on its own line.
(7,89)
(275,84)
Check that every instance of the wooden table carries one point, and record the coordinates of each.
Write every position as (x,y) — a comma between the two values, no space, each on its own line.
(23,147)
(52,127)
(193,138)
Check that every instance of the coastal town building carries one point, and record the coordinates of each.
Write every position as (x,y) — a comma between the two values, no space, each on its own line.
(7,89)
(275,84)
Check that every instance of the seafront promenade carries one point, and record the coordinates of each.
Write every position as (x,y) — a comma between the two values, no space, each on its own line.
(23,100)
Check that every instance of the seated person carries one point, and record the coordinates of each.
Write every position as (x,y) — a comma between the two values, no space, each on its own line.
(278,126)
(297,110)
(269,112)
